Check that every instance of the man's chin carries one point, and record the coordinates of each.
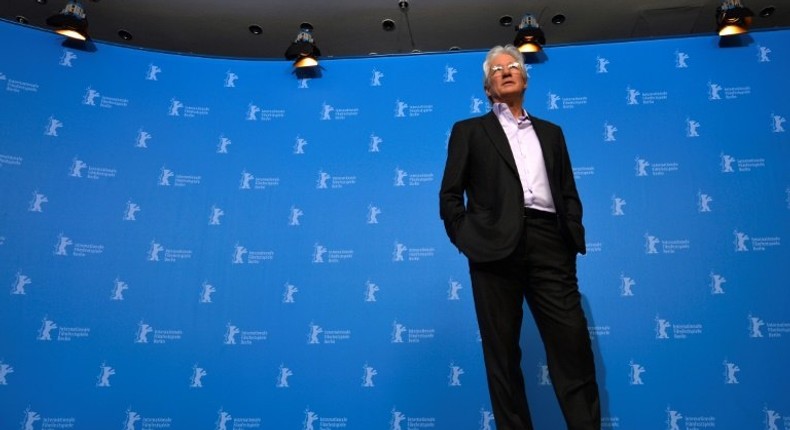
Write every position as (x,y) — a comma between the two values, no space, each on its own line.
(508,95)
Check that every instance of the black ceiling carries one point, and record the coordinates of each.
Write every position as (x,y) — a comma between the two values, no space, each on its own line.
(344,28)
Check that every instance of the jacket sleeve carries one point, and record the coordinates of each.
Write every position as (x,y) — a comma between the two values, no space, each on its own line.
(570,198)
(452,208)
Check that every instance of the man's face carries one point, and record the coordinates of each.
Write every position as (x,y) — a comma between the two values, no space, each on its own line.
(506,79)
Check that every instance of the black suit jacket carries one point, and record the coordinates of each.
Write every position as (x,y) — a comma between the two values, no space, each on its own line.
(488,224)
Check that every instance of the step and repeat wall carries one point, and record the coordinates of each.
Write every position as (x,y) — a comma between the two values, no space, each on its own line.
(203,243)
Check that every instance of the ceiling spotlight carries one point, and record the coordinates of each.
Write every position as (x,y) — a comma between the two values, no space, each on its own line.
(732,18)
(70,21)
(303,50)
(768,11)
(255,29)
(558,19)
(388,24)
(506,20)
(21,19)
(124,34)
(530,38)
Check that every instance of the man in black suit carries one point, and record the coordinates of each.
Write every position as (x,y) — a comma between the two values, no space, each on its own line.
(509,203)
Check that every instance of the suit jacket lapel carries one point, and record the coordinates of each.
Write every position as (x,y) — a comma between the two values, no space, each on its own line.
(498,138)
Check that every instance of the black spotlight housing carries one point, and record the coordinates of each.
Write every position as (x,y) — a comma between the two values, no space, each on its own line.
(529,36)
(70,22)
(732,18)
(303,50)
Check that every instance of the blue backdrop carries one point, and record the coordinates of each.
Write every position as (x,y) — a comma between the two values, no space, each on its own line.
(198,243)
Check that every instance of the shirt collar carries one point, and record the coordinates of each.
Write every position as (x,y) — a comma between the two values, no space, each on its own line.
(501,109)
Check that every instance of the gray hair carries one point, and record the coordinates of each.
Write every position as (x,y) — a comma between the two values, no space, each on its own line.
(497,50)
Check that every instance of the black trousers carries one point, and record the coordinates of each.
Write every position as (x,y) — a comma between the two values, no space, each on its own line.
(542,270)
